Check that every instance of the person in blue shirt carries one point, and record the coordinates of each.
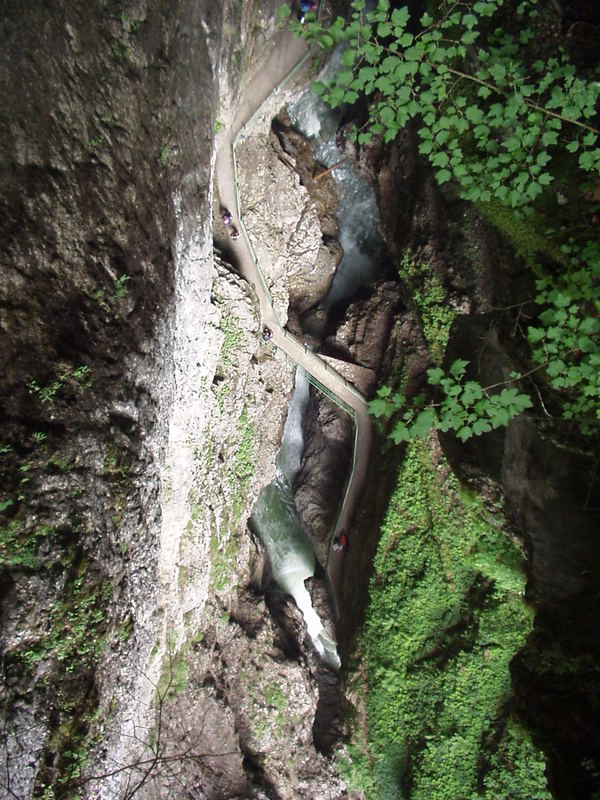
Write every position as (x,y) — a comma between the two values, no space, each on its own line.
(306,5)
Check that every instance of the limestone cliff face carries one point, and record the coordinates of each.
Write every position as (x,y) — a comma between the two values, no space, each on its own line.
(103,173)
(144,649)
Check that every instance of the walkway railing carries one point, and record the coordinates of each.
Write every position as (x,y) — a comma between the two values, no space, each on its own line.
(244,131)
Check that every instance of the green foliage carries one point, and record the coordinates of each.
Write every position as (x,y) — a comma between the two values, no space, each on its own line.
(120,287)
(77,625)
(446,615)
(233,335)
(45,393)
(567,343)
(73,376)
(108,299)
(431,301)
(114,466)
(466,408)
(492,113)
(19,546)
(283,13)
(496,117)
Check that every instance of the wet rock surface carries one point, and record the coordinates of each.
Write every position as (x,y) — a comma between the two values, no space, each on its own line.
(326,463)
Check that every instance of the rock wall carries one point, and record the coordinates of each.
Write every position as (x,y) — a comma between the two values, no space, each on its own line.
(547,473)
(142,415)
(105,111)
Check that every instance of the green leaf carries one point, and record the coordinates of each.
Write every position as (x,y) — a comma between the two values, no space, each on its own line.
(336,96)
(377,408)
(387,115)
(423,424)
(464,433)
(283,12)
(400,433)
(469,37)
(498,73)
(549,138)
(440,159)
(472,391)
(349,57)
(326,41)
(458,367)
(474,114)
(345,78)
(589,326)
(481,426)
(435,375)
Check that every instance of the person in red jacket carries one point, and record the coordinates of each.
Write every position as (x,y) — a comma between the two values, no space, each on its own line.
(340,543)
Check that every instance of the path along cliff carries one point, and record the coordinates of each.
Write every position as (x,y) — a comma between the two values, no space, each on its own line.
(289,55)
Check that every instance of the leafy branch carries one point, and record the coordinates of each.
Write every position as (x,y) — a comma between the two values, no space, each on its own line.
(491,115)
(467,408)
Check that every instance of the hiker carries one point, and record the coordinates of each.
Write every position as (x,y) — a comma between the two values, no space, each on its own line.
(306,6)
(340,543)
(235,234)
(226,218)
(267,333)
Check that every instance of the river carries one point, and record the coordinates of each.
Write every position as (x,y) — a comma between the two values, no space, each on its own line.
(365,254)
(275,521)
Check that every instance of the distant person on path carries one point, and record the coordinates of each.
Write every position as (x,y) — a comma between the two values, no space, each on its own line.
(235,234)
(267,333)
(226,218)
(340,543)
(306,6)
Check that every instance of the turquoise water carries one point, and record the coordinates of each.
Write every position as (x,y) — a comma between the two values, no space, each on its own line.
(274,519)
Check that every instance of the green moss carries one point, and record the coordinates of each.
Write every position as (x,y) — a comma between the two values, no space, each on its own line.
(431,302)
(526,234)
(538,236)
(275,698)
(233,335)
(114,466)
(222,562)
(222,393)
(446,616)
(245,458)
(19,547)
(272,715)
(174,674)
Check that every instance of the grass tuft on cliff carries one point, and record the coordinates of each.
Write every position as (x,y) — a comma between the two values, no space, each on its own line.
(446,616)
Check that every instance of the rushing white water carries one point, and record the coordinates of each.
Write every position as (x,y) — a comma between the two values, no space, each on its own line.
(358,215)
(275,520)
